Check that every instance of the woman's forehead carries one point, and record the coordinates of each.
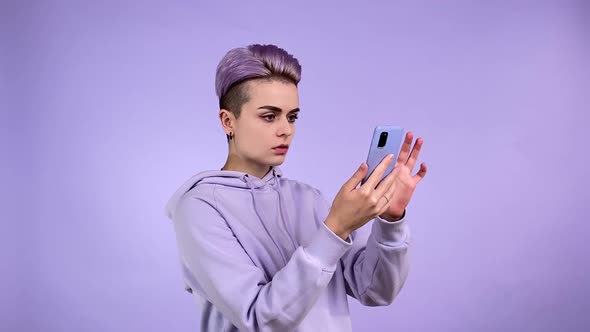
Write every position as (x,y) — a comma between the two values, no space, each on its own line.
(273,93)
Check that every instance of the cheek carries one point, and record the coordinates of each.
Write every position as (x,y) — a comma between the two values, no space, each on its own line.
(254,137)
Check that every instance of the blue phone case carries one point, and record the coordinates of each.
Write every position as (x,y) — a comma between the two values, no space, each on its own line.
(394,139)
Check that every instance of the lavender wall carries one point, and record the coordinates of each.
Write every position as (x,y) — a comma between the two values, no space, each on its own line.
(108,107)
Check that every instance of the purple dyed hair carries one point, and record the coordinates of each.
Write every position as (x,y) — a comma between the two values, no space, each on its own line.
(256,61)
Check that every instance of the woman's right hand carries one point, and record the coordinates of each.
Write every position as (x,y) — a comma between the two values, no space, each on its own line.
(354,207)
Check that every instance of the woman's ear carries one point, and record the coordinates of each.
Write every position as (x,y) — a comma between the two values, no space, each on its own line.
(227,120)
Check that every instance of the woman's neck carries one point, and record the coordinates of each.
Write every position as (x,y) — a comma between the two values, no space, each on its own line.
(254,170)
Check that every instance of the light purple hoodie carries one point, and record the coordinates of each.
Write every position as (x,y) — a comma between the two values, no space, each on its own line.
(257,256)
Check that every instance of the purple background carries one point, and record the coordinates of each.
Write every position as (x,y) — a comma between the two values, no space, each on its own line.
(108,107)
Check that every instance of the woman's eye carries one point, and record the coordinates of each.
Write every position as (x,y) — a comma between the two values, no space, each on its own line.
(271,117)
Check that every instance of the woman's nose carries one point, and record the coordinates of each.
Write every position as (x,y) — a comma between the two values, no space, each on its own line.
(285,128)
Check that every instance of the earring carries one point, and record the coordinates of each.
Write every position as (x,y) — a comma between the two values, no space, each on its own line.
(230,136)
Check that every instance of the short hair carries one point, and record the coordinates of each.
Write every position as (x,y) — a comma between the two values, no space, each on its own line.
(243,64)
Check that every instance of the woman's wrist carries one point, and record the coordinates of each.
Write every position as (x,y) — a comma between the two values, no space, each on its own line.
(392,218)
(336,228)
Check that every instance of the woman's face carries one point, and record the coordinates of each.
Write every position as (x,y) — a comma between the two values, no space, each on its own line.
(267,120)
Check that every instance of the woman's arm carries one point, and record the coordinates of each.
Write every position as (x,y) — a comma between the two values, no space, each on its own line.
(230,280)
(376,267)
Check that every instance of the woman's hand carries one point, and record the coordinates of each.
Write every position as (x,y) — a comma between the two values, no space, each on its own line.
(404,183)
(354,207)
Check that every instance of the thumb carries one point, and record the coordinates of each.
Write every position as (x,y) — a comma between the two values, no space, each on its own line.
(356,178)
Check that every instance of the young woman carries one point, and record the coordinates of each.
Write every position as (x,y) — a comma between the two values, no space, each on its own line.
(261,252)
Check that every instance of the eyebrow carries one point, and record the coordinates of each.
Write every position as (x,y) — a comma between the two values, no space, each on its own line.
(277,109)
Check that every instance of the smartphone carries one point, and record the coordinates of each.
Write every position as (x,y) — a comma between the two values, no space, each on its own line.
(386,140)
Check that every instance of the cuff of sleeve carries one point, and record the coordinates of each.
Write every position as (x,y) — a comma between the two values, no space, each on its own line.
(390,233)
(327,248)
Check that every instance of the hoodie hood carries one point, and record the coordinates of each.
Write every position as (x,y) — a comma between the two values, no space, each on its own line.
(226,178)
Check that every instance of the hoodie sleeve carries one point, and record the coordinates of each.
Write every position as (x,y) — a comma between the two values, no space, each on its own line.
(376,267)
(238,288)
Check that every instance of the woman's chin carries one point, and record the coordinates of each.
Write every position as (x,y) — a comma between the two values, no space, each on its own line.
(276,160)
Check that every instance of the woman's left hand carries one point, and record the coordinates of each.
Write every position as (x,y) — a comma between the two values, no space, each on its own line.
(405,183)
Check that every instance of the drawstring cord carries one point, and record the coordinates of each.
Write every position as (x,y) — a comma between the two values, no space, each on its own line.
(247,178)
(281,205)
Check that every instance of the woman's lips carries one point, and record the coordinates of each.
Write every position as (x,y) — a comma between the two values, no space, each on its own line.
(281,150)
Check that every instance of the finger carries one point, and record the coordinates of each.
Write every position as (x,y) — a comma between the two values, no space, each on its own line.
(415,153)
(377,174)
(405,149)
(384,205)
(421,172)
(387,182)
(357,177)
(389,194)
